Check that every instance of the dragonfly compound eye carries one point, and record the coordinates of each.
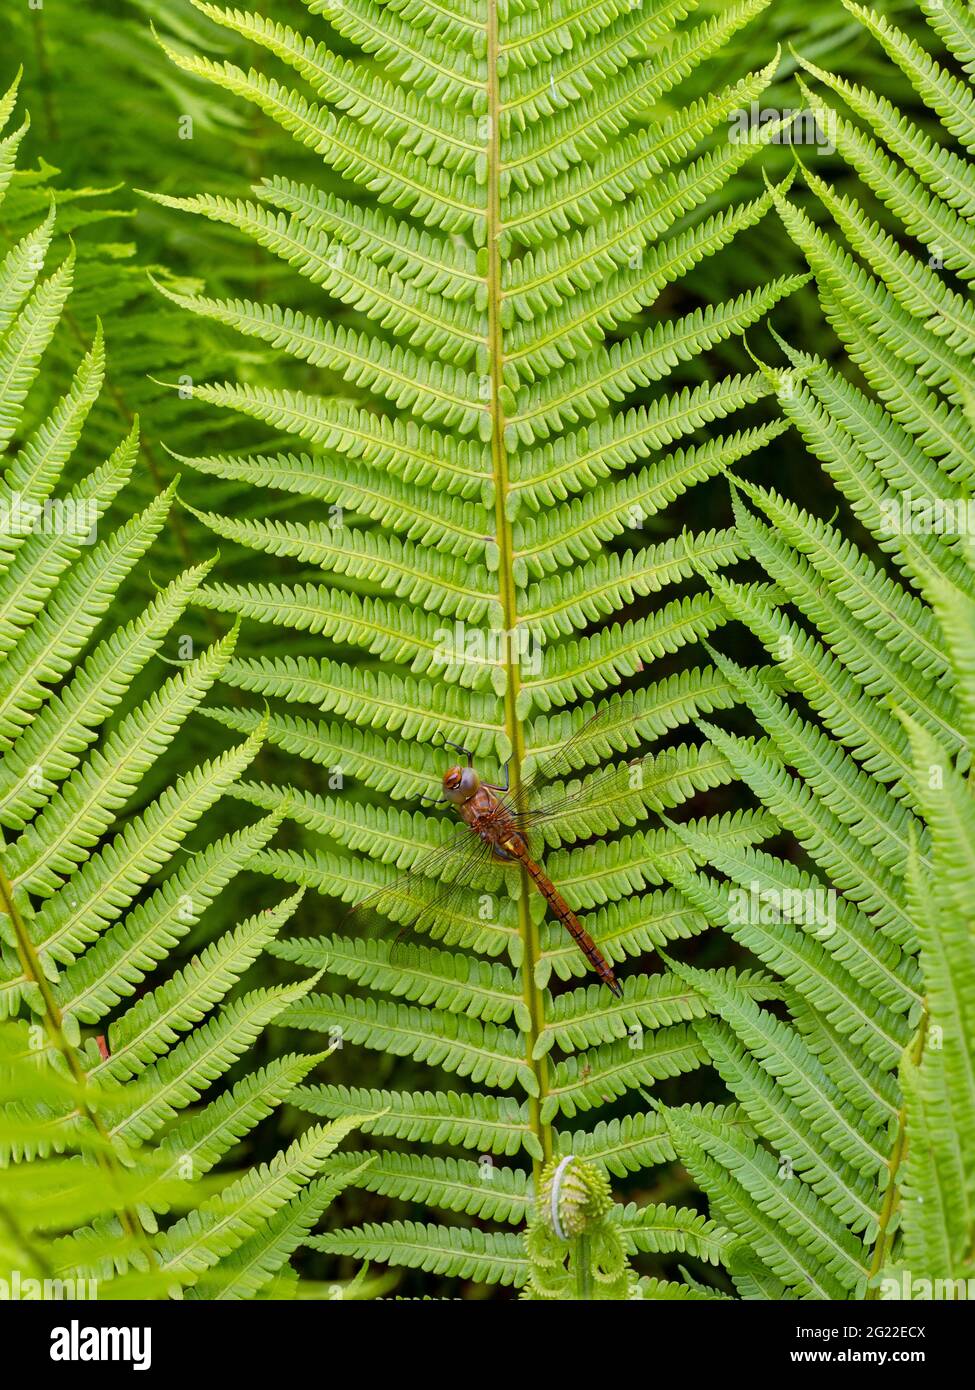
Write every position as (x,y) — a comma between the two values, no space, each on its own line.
(460,783)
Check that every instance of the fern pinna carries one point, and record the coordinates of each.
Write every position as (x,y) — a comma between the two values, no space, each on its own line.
(483,441)
(863,1094)
(102,877)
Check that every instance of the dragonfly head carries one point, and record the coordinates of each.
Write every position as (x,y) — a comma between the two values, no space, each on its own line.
(460,784)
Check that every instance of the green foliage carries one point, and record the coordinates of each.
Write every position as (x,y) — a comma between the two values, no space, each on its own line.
(501,200)
(860,1174)
(937,1074)
(575,1249)
(101,882)
(440,311)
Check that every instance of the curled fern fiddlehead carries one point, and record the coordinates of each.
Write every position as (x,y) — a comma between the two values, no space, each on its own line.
(575,1250)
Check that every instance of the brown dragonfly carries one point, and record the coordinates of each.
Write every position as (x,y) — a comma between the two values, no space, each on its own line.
(498,828)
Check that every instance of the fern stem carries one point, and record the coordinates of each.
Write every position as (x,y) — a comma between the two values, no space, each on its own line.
(33,970)
(584,1272)
(509,603)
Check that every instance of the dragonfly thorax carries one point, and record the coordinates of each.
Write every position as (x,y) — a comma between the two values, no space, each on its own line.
(460,784)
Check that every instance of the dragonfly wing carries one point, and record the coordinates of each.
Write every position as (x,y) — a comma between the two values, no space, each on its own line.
(610,785)
(620,714)
(436,880)
(540,802)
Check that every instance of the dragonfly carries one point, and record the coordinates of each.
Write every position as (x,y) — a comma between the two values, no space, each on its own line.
(498,827)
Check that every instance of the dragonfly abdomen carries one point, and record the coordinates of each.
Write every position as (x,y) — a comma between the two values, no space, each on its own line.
(561,909)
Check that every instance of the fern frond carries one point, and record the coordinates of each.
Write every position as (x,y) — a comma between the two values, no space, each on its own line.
(488,1257)
(94,893)
(869,739)
(516,189)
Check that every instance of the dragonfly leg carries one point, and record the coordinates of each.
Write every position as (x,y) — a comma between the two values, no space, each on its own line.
(507,779)
(461,749)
